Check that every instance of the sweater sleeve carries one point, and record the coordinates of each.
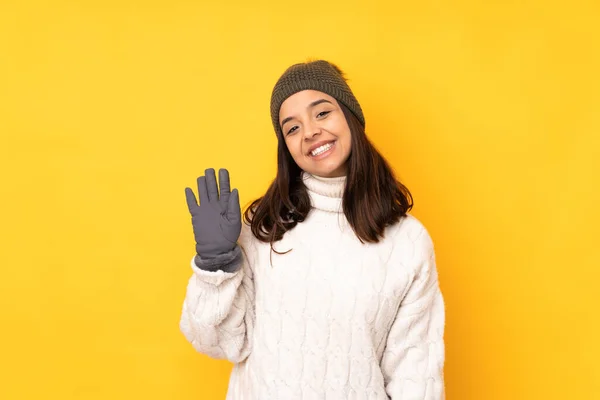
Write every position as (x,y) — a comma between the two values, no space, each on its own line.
(218,310)
(413,360)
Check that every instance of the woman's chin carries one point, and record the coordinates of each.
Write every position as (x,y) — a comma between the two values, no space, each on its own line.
(332,171)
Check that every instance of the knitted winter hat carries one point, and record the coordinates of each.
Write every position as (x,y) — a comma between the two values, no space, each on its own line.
(318,75)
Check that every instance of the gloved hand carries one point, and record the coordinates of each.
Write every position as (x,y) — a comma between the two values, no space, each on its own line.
(217,220)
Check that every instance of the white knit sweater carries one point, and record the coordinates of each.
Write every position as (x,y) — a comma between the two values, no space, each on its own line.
(332,319)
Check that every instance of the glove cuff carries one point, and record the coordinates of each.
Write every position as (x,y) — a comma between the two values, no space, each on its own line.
(226,262)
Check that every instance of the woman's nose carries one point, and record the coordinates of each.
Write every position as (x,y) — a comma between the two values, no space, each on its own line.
(311,129)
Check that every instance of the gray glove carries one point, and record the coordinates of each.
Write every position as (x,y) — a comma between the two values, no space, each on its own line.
(217,220)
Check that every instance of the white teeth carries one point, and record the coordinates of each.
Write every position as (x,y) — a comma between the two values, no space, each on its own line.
(321,149)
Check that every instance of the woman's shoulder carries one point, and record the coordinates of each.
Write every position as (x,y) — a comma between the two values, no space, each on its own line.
(248,240)
(246,235)
(409,231)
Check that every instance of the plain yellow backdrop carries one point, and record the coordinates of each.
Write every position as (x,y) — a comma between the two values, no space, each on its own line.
(489,111)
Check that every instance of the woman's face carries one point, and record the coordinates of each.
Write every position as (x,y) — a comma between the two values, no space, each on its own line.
(316,133)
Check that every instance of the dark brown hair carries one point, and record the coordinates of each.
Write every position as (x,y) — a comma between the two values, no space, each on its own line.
(372,199)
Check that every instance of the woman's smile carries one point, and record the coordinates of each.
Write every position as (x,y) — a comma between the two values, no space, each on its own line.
(323,151)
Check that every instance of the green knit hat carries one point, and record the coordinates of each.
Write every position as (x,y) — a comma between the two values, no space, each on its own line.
(318,75)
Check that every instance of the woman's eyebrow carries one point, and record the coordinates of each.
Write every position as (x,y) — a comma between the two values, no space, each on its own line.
(317,102)
(313,104)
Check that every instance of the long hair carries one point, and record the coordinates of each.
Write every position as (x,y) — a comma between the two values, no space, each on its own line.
(373,198)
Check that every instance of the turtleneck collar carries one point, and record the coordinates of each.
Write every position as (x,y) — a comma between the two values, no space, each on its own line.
(325,193)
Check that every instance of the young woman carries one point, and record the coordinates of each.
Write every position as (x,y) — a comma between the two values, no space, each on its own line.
(329,290)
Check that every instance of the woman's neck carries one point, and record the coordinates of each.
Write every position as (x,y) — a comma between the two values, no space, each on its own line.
(325,193)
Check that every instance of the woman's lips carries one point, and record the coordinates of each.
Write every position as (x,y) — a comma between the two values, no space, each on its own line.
(325,153)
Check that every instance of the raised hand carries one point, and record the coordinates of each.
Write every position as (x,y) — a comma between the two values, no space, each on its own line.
(217,219)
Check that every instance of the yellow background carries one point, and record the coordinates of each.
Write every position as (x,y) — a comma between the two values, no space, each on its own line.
(489,111)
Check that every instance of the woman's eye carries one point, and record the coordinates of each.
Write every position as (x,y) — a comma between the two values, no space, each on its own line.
(292,130)
(323,113)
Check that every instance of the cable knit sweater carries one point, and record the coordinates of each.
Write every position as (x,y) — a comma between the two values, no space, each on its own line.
(332,319)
